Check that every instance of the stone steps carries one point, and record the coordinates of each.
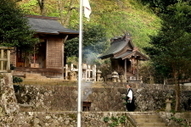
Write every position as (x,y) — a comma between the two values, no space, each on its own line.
(147,119)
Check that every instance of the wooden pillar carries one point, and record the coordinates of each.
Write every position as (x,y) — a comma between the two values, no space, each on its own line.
(137,75)
(34,57)
(62,59)
(125,64)
(47,53)
(2,57)
(133,65)
(8,59)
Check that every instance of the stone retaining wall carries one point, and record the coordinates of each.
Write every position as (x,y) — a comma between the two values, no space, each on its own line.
(62,98)
(178,119)
(56,105)
(69,119)
(106,98)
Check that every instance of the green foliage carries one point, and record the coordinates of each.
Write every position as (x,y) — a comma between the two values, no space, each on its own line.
(115,17)
(12,67)
(14,29)
(127,16)
(180,121)
(171,49)
(30,7)
(147,71)
(115,121)
(105,68)
(106,119)
(159,6)
(94,43)
(17,79)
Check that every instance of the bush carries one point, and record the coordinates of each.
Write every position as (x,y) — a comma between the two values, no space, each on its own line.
(17,79)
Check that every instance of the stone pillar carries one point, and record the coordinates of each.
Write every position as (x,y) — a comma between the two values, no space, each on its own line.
(66,72)
(84,69)
(94,72)
(88,73)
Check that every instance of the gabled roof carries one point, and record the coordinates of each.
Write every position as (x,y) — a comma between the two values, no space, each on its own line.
(49,25)
(122,48)
(130,54)
(117,44)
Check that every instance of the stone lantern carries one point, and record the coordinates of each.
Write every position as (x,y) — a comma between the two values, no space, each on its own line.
(98,75)
(115,76)
(72,75)
(168,103)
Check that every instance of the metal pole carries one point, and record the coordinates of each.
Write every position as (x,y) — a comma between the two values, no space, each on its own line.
(80,66)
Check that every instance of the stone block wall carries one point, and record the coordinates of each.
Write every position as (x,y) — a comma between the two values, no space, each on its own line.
(56,105)
(69,119)
(9,107)
(178,119)
(11,115)
(63,98)
(106,98)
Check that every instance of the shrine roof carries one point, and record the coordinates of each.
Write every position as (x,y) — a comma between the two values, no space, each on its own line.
(49,25)
(129,55)
(122,48)
(116,46)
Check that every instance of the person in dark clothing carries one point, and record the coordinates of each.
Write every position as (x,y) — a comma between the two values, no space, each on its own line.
(130,105)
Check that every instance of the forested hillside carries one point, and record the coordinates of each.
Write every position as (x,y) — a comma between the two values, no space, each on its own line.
(116,16)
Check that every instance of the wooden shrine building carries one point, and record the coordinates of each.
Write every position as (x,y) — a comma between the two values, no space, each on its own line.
(48,55)
(124,57)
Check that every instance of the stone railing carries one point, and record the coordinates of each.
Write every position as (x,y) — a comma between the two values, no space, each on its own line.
(89,73)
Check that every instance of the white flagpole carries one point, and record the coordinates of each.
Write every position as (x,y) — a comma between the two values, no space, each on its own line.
(80,66)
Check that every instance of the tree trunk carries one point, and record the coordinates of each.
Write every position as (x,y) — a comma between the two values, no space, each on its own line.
(41,5)
(69,12)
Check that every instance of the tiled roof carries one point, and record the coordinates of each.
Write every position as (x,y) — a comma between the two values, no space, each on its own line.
(115,47)
(122,48)
(49,25)
(126,54)
(129,54)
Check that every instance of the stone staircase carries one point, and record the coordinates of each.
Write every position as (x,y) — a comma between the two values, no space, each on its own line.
(147,119)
